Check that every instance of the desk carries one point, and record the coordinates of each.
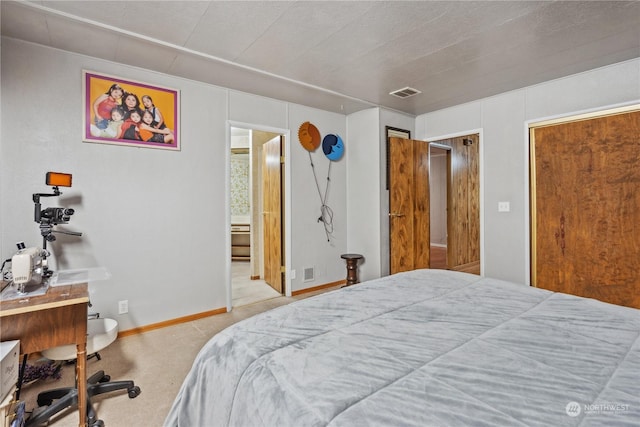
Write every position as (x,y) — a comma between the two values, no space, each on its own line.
(58,317)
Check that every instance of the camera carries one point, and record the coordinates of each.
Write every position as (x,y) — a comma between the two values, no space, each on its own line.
(56,216)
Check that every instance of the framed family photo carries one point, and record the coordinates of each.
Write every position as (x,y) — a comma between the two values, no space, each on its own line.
(130,113)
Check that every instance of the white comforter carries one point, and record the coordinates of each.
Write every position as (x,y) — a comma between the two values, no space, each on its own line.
(423,348)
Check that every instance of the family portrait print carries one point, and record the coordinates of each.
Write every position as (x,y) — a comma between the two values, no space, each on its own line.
(125,112)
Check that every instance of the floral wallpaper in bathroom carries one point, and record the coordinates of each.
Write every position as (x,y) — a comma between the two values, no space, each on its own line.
(240,184)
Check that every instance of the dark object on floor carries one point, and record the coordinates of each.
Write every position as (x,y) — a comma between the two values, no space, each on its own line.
(42,372)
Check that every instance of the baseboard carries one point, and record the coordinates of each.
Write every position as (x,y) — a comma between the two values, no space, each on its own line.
(171,322)
(318,288)
(471,267)
(185,319)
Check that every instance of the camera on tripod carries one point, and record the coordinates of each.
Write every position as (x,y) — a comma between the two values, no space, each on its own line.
(49,217)
(55,216)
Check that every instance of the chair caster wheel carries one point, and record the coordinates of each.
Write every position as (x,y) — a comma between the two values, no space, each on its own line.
(133,392)
(105,379)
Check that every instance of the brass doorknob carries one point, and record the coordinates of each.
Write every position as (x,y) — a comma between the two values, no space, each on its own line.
(395,215)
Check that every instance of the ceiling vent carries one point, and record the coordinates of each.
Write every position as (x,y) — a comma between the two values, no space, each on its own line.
(405,92)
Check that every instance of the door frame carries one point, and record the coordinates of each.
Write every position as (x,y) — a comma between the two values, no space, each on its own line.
(433,139)
(287,203)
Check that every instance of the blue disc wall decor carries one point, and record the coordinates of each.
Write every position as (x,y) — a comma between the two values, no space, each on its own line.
(333,147)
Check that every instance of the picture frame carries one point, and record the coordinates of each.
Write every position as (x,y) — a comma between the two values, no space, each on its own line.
(110,105)
(392,132)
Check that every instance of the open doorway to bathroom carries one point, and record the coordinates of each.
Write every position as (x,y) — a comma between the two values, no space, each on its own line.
(249,219)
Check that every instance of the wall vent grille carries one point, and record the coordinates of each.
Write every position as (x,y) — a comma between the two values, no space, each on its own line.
(405,92)
(308,274)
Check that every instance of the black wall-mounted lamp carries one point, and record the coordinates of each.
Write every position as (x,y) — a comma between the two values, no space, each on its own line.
(467,142)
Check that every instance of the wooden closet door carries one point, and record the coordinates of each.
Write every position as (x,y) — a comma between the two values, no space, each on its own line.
(586,208)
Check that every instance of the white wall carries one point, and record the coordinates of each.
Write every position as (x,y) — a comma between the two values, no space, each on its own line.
(310,246)
(133,205)
(503,120)
(363,200)
(156,219)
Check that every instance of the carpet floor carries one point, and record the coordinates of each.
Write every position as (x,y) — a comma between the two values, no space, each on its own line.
(157,361)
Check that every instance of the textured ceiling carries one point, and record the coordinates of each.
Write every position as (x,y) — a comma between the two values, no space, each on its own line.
(343,56)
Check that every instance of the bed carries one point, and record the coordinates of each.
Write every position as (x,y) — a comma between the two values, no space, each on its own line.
(421,348)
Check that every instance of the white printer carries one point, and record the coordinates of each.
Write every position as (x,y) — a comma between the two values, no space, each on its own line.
(9,366)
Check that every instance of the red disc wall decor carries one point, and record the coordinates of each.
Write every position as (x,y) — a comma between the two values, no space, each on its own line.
(309,136)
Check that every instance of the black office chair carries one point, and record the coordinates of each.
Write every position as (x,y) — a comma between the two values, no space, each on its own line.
(100,333)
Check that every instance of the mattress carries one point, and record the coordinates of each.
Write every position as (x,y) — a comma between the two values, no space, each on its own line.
(421,348)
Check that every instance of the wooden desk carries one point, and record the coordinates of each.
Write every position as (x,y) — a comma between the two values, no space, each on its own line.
(58,317)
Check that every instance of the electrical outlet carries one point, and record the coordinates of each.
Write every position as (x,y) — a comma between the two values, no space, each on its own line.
(123,306)
(292,274)
(504,206)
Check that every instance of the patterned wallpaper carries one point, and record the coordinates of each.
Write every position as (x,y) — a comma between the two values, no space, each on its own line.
(240,184)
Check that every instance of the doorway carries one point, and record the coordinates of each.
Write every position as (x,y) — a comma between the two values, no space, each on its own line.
(410,203)
(439,169)
(248,223)
(463,202)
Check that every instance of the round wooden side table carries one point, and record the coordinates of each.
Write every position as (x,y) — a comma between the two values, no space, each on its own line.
(352,267)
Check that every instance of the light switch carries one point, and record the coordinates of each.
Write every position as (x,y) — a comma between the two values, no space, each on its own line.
(504,207)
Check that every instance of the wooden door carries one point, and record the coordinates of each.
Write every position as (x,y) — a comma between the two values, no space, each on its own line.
(408,204)
(272,212)
(463,245)
(586,208)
